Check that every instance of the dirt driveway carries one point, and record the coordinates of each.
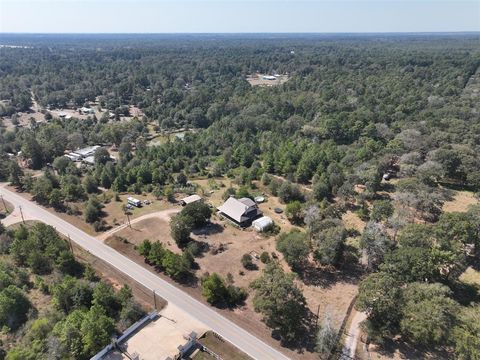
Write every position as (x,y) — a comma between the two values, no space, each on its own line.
(164,215)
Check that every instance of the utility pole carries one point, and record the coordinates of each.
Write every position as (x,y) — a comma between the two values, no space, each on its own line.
(128,219)
(21,213)
(154,299)
(70,243)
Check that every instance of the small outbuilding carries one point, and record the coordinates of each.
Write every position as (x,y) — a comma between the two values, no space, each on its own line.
(190,199)
(262,224)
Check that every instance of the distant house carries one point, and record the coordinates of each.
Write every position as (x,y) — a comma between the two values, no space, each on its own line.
(269,77)
(84,110)
(86,154)
(87,151)
(72,156)
(190,199)
(262,224)
(89,160)
(241,211)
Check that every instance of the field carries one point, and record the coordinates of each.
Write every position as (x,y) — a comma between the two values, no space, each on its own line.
(325,291)
(257,80)
(460,202)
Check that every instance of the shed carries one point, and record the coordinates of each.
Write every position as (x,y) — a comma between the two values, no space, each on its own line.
(262,224)
(190,199)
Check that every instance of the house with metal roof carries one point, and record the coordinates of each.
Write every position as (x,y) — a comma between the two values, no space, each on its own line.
(240,211)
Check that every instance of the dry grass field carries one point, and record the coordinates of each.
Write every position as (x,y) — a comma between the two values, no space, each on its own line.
(325,291)
(257,80)
(460,202)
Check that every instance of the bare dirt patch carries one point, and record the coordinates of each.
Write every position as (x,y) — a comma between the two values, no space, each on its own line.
(153,229)
(116,216)
(236,243)
(461,201)
(353,221)
(259,80)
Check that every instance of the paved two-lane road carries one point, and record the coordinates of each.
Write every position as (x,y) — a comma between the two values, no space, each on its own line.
(242,339)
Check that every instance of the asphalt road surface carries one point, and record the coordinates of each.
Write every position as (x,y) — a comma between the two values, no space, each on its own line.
(231,332)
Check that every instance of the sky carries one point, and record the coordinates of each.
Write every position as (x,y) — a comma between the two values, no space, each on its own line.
(238,16)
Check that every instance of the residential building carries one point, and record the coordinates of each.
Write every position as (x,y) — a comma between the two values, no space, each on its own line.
(240,211)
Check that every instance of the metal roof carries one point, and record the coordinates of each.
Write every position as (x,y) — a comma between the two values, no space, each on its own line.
(190,199)
(235,209)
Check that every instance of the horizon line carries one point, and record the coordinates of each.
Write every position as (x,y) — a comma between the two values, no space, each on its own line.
(243,33)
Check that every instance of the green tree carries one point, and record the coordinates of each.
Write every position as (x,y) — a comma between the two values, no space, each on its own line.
(294,247)
(169,193)
(329,244)
(97,329)
(61,164)
(281,302)
(381,210)
(93,210)
(294,212)
(90,184)
(175,265)
(101,156)
(380,296)
(466,334)
(14,306)
(247,262)
(198,212)
(55,199)
(417,235)
(104,296)
(214,289)
(409,264)
(180,229)
(428,314)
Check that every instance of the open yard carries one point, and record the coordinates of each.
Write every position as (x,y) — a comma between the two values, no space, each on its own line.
(259,80)
(325,291)
(460,202)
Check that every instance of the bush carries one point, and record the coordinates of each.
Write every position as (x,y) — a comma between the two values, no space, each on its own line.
(217,293)
(265,257)
(247,262)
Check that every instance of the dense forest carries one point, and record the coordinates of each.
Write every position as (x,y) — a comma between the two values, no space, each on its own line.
(355,111)
(51,306)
